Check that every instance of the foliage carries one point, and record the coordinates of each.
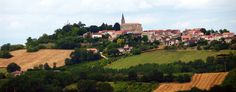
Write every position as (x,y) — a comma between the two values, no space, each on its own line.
(132,75)
(230,80)
(32,45)
(5,54)
(13,67)
(133,86)
(116,26)
(136,51)
(68,43)
(89,86)
(82,55)
(6,47)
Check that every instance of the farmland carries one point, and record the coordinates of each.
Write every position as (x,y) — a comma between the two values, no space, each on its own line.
(165,56)
(203,81)
(29,60)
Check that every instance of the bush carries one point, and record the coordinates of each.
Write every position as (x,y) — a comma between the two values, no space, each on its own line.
(82,55)
(67,43)
(33,49)
(5,54)
(183,78)
(132,75)
(13,67)
(136,51)
(32,45)
(16,47)
(104,87)
(2,76)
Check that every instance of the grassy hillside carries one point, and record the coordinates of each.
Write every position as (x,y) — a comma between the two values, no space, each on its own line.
(165,56)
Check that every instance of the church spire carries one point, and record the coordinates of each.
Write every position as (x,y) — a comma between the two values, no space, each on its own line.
(123,19)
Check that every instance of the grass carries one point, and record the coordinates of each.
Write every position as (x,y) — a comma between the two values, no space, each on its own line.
(3,70)
(165,56)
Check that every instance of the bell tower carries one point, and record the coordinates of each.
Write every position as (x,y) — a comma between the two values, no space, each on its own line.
(123,19)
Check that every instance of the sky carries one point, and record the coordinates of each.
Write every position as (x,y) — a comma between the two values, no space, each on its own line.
(20,19)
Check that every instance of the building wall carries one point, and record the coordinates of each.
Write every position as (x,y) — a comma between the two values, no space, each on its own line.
(132,27)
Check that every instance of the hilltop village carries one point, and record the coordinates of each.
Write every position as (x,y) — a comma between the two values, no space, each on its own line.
(167,37)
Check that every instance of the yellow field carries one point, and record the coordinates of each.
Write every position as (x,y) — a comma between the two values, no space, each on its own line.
(203,81)
(29,60)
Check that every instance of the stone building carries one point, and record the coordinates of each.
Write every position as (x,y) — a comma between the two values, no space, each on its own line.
(132,27)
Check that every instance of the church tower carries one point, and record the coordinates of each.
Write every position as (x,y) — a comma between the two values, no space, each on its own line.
(123,19)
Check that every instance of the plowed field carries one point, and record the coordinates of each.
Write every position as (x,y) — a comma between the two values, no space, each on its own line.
(202,81)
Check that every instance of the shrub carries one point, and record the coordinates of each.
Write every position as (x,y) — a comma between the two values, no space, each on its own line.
(5,54)
(136,51)
(13,67)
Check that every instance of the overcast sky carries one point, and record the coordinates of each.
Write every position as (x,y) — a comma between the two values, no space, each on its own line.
(20,19)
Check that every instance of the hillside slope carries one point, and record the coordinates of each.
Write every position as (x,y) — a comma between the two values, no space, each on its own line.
(29,60)
(202,81)
(165,56)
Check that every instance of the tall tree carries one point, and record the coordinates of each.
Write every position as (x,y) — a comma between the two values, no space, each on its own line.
(116,26)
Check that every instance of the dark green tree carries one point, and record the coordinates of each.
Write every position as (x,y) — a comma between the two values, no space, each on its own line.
(5,54)
(116,26)
(13,67)
(32,45)
(46,66)
(104,87)
(6,47)
(132,75)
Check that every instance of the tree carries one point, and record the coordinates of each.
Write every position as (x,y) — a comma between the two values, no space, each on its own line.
(116,26)
(54,65)
(46,66)
(230,79)
(2,76)
(86,86)
(32,45)
(68,43)
(93,29)
(223,31)
(44,39)
(132,75)
(5,54)
(145,38)
(156,75)
(113,52)
(120,42)
(82,55)
(104,87)
(210,60)
(6,47)
(136,51)
(13,67)
(203,30)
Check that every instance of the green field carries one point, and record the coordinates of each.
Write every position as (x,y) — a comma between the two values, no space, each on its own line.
(165,56)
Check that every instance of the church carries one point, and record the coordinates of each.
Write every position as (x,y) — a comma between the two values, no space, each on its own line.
(131,27)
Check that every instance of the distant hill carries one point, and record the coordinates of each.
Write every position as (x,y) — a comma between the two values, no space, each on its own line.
(28,60)
(165,56)
(203,81)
